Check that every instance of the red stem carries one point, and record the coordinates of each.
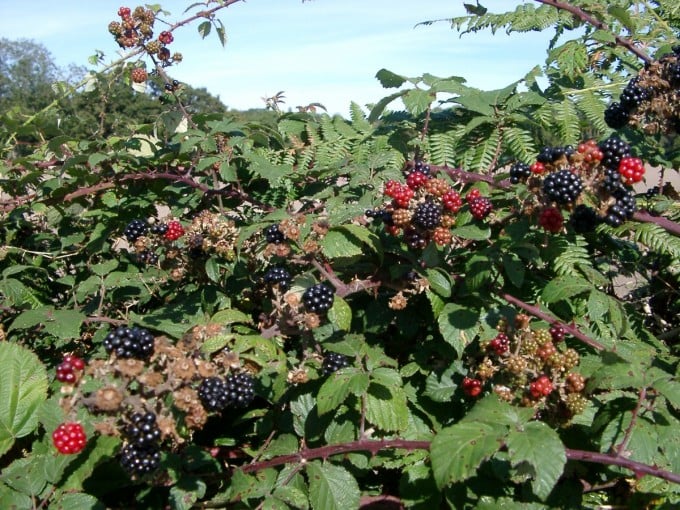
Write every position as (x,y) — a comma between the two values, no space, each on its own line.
(537,312)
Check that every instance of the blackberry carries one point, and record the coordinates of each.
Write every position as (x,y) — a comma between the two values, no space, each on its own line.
(421,166)
(611,180)
(138,460)
(127,342)
(562,187)
(633,95)
(616,116)
(480,207)
(332,362)
(143,430)
(652,192)
(159,229)
(674,74)
(545,155)
(583,219)
(147,257)
(415,239)
(427,215)
(278,276)
(318,298)
(518,172)
(613,150)
(273,235)
(213,393)
(134,230)
(239,390)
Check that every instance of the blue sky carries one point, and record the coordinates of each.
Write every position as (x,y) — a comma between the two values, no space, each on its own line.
(325,51)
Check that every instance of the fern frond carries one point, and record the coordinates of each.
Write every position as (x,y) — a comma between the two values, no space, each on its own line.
(521,143)
(358,118)
(567,122)
(442,149)
(524,18)
(654,237)
(571,257)
(484,151)
(592,108)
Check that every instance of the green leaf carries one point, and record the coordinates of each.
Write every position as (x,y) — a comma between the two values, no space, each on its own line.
(440,281)
(338,386)
(230,316)
(418,101)
(386,407)
(670,389)
(204,29)
(458,451)
(439,388)
(458,324)
(23,388)
(63,324)
(332,487)
(564,287)
(76,501)
(337,243)
(388,79)
(492,411)
(514,268)
(292,496)
(98,450)
(186,492)
(340,314)
(25,475)
(539,446)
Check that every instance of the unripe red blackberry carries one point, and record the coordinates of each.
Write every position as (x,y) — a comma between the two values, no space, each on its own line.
(575,383)
(69,369)
(480,207)
(166,37)
(442,236)
(452,201)
(551,219)
(541,387)
(631,169)
(175,231)
(416,179)
(318,298)
(69,438)
(472,387)
(124,12)
(139,75)
(501,344)
(557,333)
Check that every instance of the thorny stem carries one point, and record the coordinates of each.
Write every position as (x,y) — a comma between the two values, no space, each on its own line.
(537,312)
(621,448)
(374,446)
(581,14)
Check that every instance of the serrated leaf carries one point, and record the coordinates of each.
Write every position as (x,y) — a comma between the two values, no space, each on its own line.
(514,268)
(337,243)
(438,388)
(77,501)
(98,449)
(458,451)
(540,447)
(388,79)
(440,281)
(63,324)
(292,496)
(23,388)
(204,29)
(457,325)
(25,475)
(332,487)
(493,411)
(564,287)
(417,101)
(338,386)
(669,389)
(340,314)
(230,316)
(386,408)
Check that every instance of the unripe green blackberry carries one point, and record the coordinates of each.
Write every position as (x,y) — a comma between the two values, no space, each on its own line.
(152,47)
(516,364)
(115,28)
(571,358)
(529,346)
(542,336)
(575,383)
(575,403)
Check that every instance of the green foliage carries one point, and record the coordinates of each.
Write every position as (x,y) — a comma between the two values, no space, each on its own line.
(432,378)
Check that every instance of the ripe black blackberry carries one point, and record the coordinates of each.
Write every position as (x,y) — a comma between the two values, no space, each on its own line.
(278,276)
(332,362)
(159,229)
(562,187)
(421,166)
(213,393)
(135,229)
(318,298)
(414,239)
(427,215)
(674,74)
(140,460)
(613,150)
(147,257)
(143,431)
(551,154)
(519,171)
(616,115)
(611,180)
(633,95)
(652,192)
(239,390)
(273,235)
(127,342)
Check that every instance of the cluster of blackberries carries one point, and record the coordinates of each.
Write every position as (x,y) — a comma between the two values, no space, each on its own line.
(519,171)
(562,187)
(274,235)
(147,257)
(278,276)
(318,298)
(380,215)
(132,342)
(427,215)
(550,154)
(420,166)
(618,113)
(135,229)
(332,362)
(613,151)
(236,390)
(141,455)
